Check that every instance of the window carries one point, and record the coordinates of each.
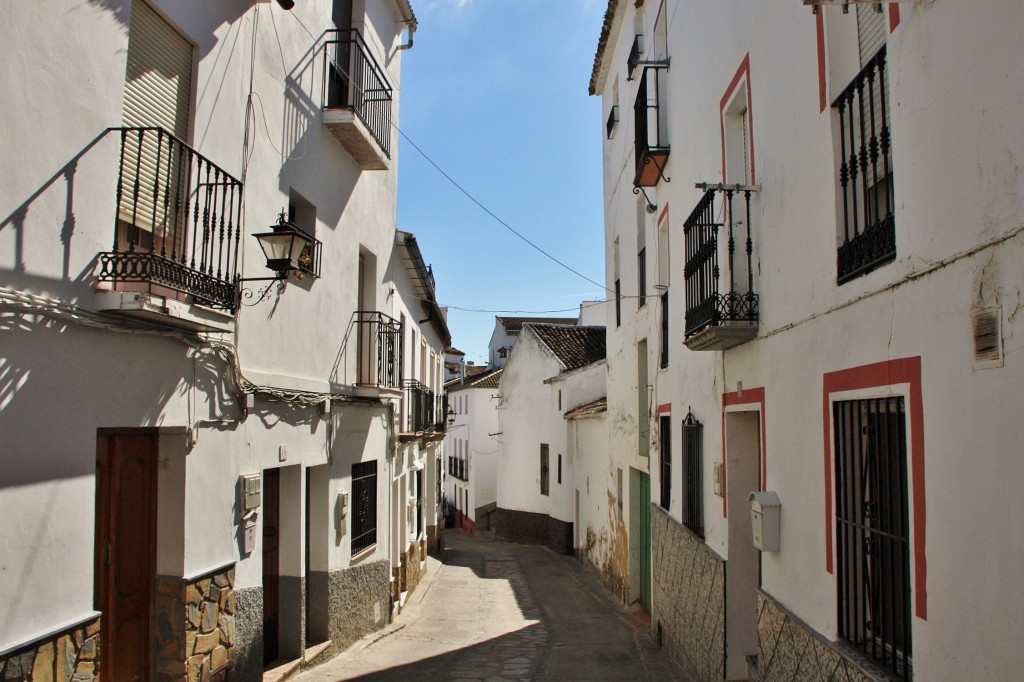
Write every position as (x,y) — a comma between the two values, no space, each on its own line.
(559,399)
(618,488)
(419,502)
(643,404)
(867,228)
(559,470)
(641,278)
(873,530)
(545,472)
(693,478)
(664,329)
(665,434)
(364,505)
(618,303)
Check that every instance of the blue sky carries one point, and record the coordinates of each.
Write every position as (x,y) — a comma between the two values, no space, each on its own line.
(495,93)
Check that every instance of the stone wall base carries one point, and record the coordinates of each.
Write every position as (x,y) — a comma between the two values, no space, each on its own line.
(485,516)
(530,528)
(688,594)
(434,543)
(194,637)
(790,650)
(71,656)
(359,602)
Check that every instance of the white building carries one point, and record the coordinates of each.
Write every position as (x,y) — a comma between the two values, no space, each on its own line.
(839,297)
(507,330)
(224,450)
(417,475)
(471,448)
(553,370)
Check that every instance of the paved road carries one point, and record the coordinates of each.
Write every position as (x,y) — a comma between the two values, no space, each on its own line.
(497,611)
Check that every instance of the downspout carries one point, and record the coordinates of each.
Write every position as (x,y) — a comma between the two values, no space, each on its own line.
(409,21)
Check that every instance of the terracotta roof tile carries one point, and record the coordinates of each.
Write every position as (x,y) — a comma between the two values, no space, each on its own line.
(589,410)
(574,346)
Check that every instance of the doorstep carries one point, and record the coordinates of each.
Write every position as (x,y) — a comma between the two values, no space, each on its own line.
(282,672)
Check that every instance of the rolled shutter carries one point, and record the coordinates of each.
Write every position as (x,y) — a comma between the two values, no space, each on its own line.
(158,89)
(870,31)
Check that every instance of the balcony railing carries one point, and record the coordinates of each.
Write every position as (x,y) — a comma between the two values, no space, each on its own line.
(353,80)
(441,413)
(720,314)
(379,349)
(865,173)
(419,407)
(652,146)
(179,222)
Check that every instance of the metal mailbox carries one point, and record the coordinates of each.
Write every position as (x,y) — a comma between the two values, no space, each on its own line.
(765,509)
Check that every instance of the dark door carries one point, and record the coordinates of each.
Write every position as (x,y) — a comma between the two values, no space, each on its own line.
(645,540)
(271,562)
(125,551)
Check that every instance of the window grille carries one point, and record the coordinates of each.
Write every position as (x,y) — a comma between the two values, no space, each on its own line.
(865,172)
(693,476)
(618,303)
(545,470)
(641,278)
(873,530)
(664,330)
(364,505)
(665,432)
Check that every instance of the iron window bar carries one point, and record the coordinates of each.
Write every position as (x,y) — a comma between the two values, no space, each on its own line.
(693,477)
(352,79)
(378,349)
(868,221)
(179,220)
(706,304)
(635,50)
(873,530)
(364,505)
(419,407)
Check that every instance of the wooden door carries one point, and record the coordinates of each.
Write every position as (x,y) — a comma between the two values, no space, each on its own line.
(271,563)
(125,551)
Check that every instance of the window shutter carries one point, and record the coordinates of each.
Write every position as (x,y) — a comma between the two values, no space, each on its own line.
(870,31)
(158,89)
(745,126)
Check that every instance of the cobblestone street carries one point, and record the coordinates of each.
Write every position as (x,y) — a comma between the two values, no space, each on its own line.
(500,611)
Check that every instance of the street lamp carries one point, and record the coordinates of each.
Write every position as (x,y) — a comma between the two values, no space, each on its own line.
(451,416)
(283,246)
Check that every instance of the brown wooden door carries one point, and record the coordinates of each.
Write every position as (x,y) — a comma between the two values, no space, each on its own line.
(271,560)
(125,551)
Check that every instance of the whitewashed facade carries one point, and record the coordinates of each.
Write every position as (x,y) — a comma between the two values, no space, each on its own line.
(883,344)
(471,450)
(553,369)
(177,395)
(506,332)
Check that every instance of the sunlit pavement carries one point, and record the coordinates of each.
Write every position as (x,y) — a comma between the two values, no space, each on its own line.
(497,611)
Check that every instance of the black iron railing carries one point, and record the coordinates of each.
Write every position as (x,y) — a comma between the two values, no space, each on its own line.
(706,304)
(419,407)
(364,505)
(179,220)
(693,477)
(873,530)
(354,80)
(651,144)
(457,468)
(634,56)
(865,173)
(441,414)
(613,118)
(379,350)
(665,438)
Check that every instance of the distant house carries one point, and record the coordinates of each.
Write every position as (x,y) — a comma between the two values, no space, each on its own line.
(507,330)
(553,370)
(471,449)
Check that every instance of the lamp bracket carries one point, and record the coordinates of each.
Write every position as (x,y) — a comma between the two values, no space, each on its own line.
(651,206)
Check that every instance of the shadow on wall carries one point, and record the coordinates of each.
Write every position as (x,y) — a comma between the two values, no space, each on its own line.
(308,148)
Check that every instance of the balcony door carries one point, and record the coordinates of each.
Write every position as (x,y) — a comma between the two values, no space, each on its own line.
(157,94)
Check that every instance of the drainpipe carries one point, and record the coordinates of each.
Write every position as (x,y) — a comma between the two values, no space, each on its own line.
(410,23)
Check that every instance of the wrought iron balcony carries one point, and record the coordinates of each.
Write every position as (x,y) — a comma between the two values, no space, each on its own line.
(357,99)
(419,407)
(865,173)
(379,350)
(652,148)
(717,320)
(178,224)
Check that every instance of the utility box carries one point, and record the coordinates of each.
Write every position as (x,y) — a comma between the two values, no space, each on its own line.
(765,509)
(250,487)
(249,532)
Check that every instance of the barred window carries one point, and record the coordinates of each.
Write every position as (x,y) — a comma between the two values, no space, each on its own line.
(364,505)
(545,470)
(693,478)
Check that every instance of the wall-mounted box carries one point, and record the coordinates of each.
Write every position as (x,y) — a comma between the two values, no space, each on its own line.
(719,479)
(249,533)
(765,510)
(250,486)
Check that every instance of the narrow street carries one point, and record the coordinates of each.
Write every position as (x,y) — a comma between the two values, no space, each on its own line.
(500,611)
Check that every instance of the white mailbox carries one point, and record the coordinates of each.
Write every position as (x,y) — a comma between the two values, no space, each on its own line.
(248,532)
(765,509)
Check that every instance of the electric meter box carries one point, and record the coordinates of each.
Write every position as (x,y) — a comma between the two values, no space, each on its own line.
(250,487)
(765,509)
